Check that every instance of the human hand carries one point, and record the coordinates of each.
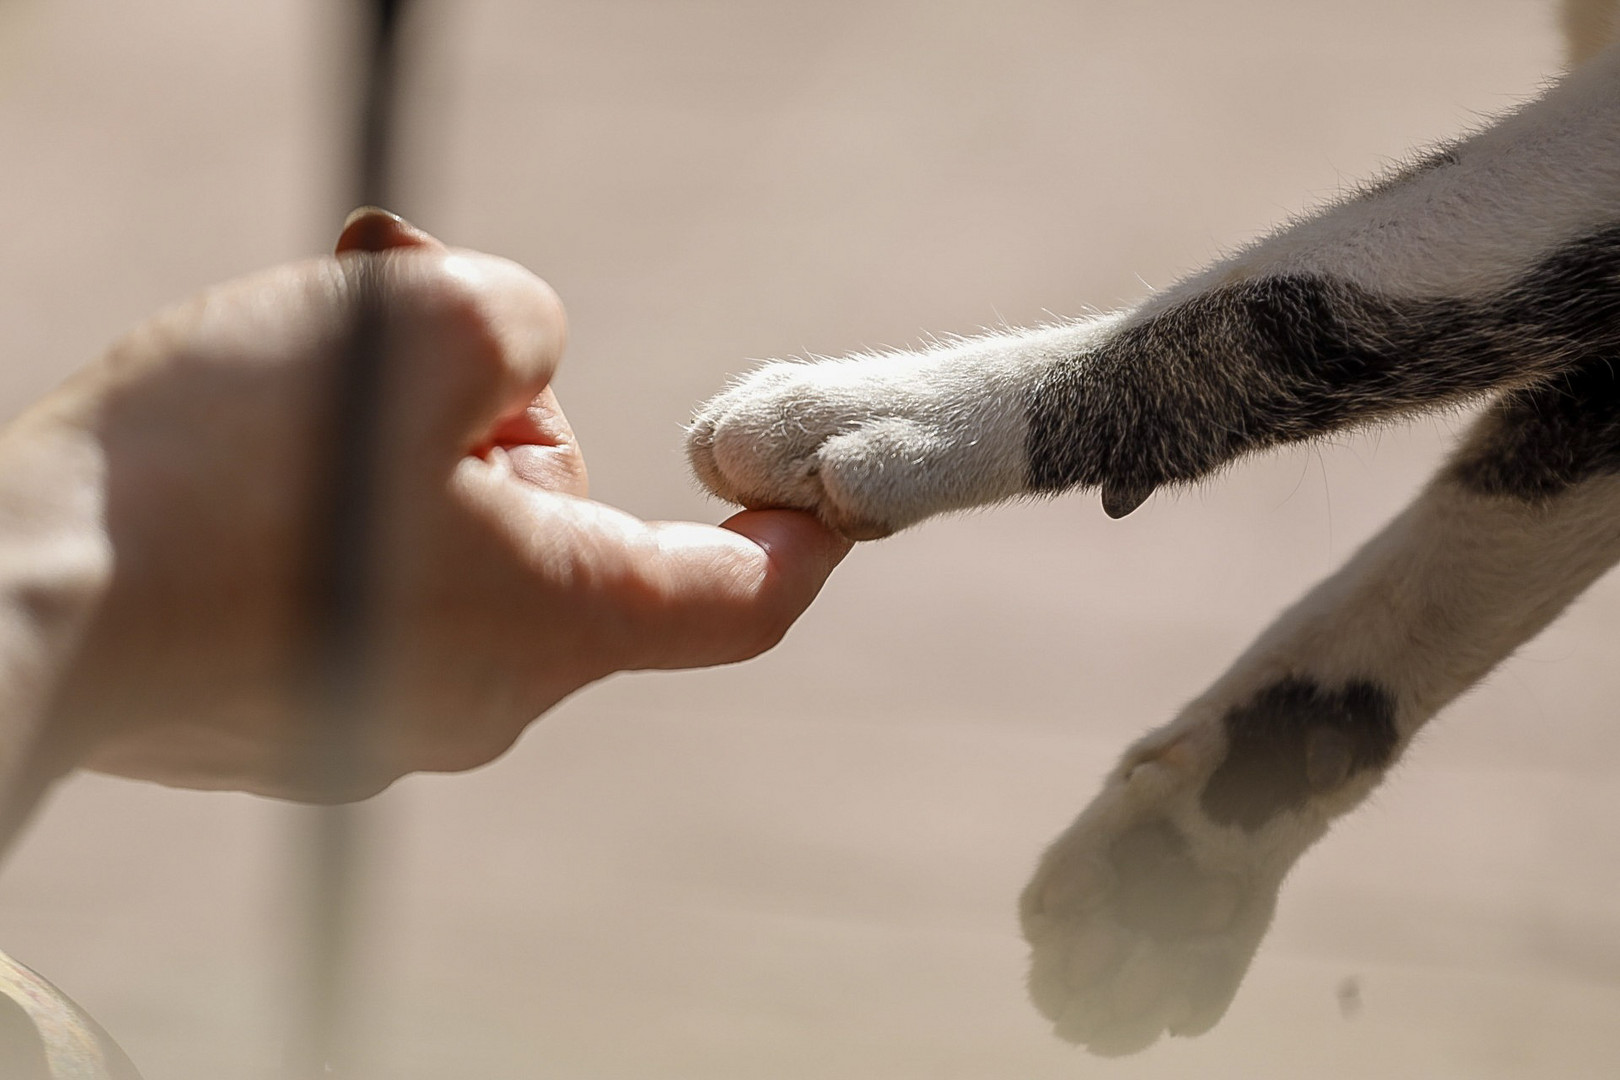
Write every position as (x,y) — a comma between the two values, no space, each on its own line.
(192,453)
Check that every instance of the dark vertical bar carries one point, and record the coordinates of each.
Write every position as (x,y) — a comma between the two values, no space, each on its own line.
(339,601)
(374,166)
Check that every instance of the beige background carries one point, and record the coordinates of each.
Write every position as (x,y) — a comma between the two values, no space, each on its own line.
(804,868)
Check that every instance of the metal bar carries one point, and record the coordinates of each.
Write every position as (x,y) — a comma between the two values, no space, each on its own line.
(340,604)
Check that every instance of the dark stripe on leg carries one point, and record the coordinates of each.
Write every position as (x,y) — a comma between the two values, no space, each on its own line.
(1259,363)
(1537,443)
(1296,739)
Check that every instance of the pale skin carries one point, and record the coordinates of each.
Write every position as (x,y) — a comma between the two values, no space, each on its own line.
(155,516)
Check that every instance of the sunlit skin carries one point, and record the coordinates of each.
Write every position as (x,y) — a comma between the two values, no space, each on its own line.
(156,627)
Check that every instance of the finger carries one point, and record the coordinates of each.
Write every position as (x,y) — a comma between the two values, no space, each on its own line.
(523,321)
(371,228)
(731,593)
(472,340)
(511,323)
(537,444)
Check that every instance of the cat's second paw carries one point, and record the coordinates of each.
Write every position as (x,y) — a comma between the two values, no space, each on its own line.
(1144,915)
(870,444)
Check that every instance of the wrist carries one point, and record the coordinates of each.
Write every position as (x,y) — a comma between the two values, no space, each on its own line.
(55,564)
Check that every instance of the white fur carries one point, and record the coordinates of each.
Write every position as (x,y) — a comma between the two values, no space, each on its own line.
(875,443)
(1527,184)
(1443,594)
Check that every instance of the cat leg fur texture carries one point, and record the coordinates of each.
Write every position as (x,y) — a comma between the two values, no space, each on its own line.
(1488,267)
(1143,916)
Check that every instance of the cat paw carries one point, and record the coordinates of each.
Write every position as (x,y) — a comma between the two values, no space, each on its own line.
(869,444)
(1143,917)
(792,435)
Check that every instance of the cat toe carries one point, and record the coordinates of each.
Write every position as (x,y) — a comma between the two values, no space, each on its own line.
(1142,918)
(753,445)
(777,440)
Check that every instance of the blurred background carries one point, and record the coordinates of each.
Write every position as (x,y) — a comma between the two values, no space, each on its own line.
(805,867)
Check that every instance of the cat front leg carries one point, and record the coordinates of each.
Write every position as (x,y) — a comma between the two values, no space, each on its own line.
(1490,264)
(1143,916)
(876,443)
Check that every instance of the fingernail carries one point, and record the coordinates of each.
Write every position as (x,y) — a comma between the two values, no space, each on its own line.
(362,212)
(371,228)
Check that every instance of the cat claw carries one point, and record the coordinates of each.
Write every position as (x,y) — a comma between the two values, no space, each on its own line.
(1118,500)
